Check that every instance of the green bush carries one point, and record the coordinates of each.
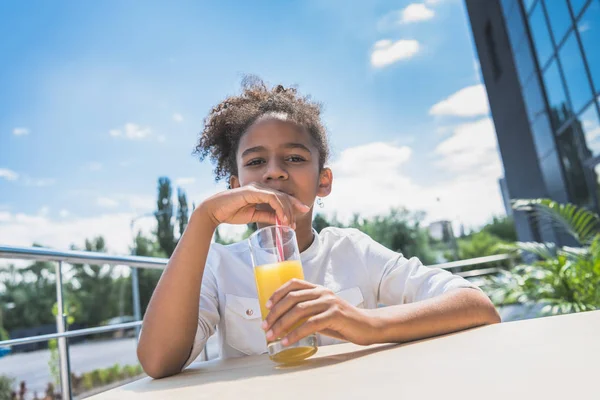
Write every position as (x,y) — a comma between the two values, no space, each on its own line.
(6,387)
(564,279)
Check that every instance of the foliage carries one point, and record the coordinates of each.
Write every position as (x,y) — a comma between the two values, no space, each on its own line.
(479,244)
(104,376)
(502,228)
(164,215)
(6,387)
(182,211)
(564,279)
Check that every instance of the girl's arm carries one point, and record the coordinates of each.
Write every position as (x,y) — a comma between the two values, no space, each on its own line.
(453,311)
(171,319)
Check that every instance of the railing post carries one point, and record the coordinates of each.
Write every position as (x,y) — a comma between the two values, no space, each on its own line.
(135,288)
(61,327)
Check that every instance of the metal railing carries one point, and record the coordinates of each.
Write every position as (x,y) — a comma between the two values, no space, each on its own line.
(135,262)
(80,257)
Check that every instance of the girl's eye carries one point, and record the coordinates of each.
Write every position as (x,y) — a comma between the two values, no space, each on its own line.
(296,159)
(256,161)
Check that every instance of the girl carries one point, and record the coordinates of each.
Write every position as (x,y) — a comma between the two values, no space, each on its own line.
(272,147)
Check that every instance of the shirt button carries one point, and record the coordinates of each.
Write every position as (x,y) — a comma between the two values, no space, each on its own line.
(249,312)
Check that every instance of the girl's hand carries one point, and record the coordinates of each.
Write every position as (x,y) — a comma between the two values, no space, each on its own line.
(322,311)
(253,203)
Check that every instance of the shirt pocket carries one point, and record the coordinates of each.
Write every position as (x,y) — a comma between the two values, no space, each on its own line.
(242,325)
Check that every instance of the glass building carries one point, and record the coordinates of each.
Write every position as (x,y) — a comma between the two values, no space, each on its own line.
(540,61)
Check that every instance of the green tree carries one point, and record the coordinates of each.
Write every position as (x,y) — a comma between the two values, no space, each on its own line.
(182,211)
(164,215)
(147,278)
(31,292)
(90,287)
(320,223)
(503,228)
(399,230)
(479,244)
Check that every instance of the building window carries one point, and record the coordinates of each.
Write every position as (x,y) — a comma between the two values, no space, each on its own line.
(577,6)
(491,47)
(578,84)
(528,4)
(560,110)
(569,144)
(560,18)
(589,124)
(589,32)
(541,34)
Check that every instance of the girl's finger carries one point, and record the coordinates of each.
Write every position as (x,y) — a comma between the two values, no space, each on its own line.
(299,312)
(312,325)
(287,303)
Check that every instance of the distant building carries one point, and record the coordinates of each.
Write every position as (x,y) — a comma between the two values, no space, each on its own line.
(540,61)
(441,230)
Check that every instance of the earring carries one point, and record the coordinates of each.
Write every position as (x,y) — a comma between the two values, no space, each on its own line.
(320,202)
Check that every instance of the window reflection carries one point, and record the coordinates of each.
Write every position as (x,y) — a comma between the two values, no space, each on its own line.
(560,19)
(516,28)
(569,143)
(577,6)
(589,124)
(528,4)
(589,31)
(575,74)
(559,107)
(541,34)
(524,63)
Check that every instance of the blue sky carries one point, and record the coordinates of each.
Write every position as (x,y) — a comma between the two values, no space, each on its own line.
(99,99)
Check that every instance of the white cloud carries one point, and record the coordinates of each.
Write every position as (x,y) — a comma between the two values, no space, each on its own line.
(386,52)
(184,181)
(416,12)
(94,166)
(28,181)
(372,178)
(5,216)
(20,131)
(107,202)
(125,163)
(22,230)
(64,213)
(177,117)
(138,203)
(131,131)
(44,211)
(433,2)
(8,174)
(470,101)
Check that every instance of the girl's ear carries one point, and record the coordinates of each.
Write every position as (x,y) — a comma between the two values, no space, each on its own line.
(234,182)
(325,182)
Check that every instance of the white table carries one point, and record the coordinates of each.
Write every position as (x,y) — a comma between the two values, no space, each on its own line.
(546,358)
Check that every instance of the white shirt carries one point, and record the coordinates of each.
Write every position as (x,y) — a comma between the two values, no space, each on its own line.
(346,261)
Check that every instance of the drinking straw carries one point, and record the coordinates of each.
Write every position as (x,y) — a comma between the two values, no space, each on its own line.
(278,239)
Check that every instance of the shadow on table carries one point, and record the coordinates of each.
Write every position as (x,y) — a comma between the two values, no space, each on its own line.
(244,368)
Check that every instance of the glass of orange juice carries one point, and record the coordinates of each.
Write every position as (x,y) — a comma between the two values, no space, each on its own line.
(276,260)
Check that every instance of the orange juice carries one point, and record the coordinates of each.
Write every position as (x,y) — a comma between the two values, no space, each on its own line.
(269,278)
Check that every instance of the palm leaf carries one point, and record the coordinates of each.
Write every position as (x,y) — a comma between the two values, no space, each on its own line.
(543,250)
(580,223)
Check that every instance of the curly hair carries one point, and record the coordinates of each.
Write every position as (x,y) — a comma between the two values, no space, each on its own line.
(228,121)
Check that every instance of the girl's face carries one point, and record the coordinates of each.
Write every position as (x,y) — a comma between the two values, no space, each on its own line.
(281,156)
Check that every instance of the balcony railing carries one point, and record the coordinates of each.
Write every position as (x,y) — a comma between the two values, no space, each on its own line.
(135,262)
